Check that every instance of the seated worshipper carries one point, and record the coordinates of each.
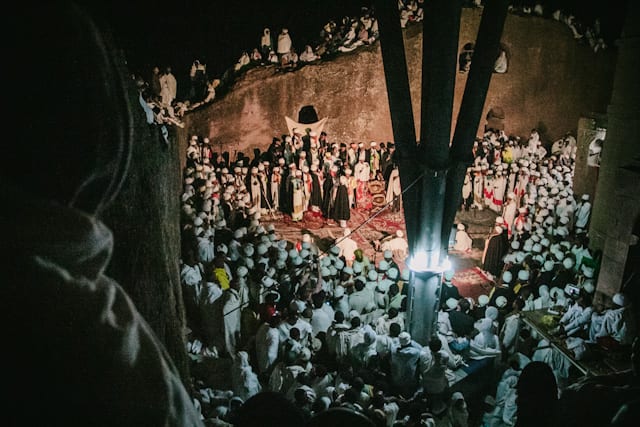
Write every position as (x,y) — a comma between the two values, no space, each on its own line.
(383,323)
(597,316)
(308,55)
(97,360)
(618,323)
(398,245)
(461,324)
(485,343)
(543,300)
(449,290)
(577,317)
(463,242)
(501,410)
(458,411)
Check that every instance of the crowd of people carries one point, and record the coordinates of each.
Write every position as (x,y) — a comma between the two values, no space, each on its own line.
(327,328)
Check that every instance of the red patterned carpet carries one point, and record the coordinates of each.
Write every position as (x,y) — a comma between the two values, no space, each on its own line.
(472,282)
(366,228)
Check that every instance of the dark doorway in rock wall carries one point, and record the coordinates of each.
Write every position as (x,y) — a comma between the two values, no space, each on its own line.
(308,114)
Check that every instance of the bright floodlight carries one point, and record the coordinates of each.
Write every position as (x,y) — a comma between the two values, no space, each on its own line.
(418,261)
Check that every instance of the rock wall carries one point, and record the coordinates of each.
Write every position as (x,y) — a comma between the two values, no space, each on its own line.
(551,81)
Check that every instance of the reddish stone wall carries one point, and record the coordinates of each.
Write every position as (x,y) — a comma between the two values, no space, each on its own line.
(551,82)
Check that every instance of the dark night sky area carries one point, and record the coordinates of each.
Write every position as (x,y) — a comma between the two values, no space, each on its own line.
(175,33)
(160,33)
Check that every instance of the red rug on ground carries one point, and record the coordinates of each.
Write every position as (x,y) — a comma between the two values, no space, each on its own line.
(472,282)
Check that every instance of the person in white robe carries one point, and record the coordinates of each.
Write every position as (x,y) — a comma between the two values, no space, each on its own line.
(486,342)
(362,352)
(404,364)
(478,188)
(394,190)
(463,242)
(320,320)
(434,379)
(511,329)
(499,188)
(509,212)
(337,336)
(582,214)
(274,188)
(206,248)
(255,188)
(619,321)
(294,321)
(298,198)
(543,300)
(169,87)
(267,345)
(504,413)
(347,246)
(580,323)
(244,381)
(398,246)
(308,55)
(362,174)
(284,43)
(231,311)
(266,42)
(384,322)
(458,412)
(361,299)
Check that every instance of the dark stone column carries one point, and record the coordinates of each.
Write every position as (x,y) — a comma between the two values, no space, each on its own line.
(617,201)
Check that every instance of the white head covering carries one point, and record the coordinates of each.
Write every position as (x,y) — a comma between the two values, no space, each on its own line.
(619,299)
(491,312)
(483,300)
(404,338)
(507,277)
(523,275)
